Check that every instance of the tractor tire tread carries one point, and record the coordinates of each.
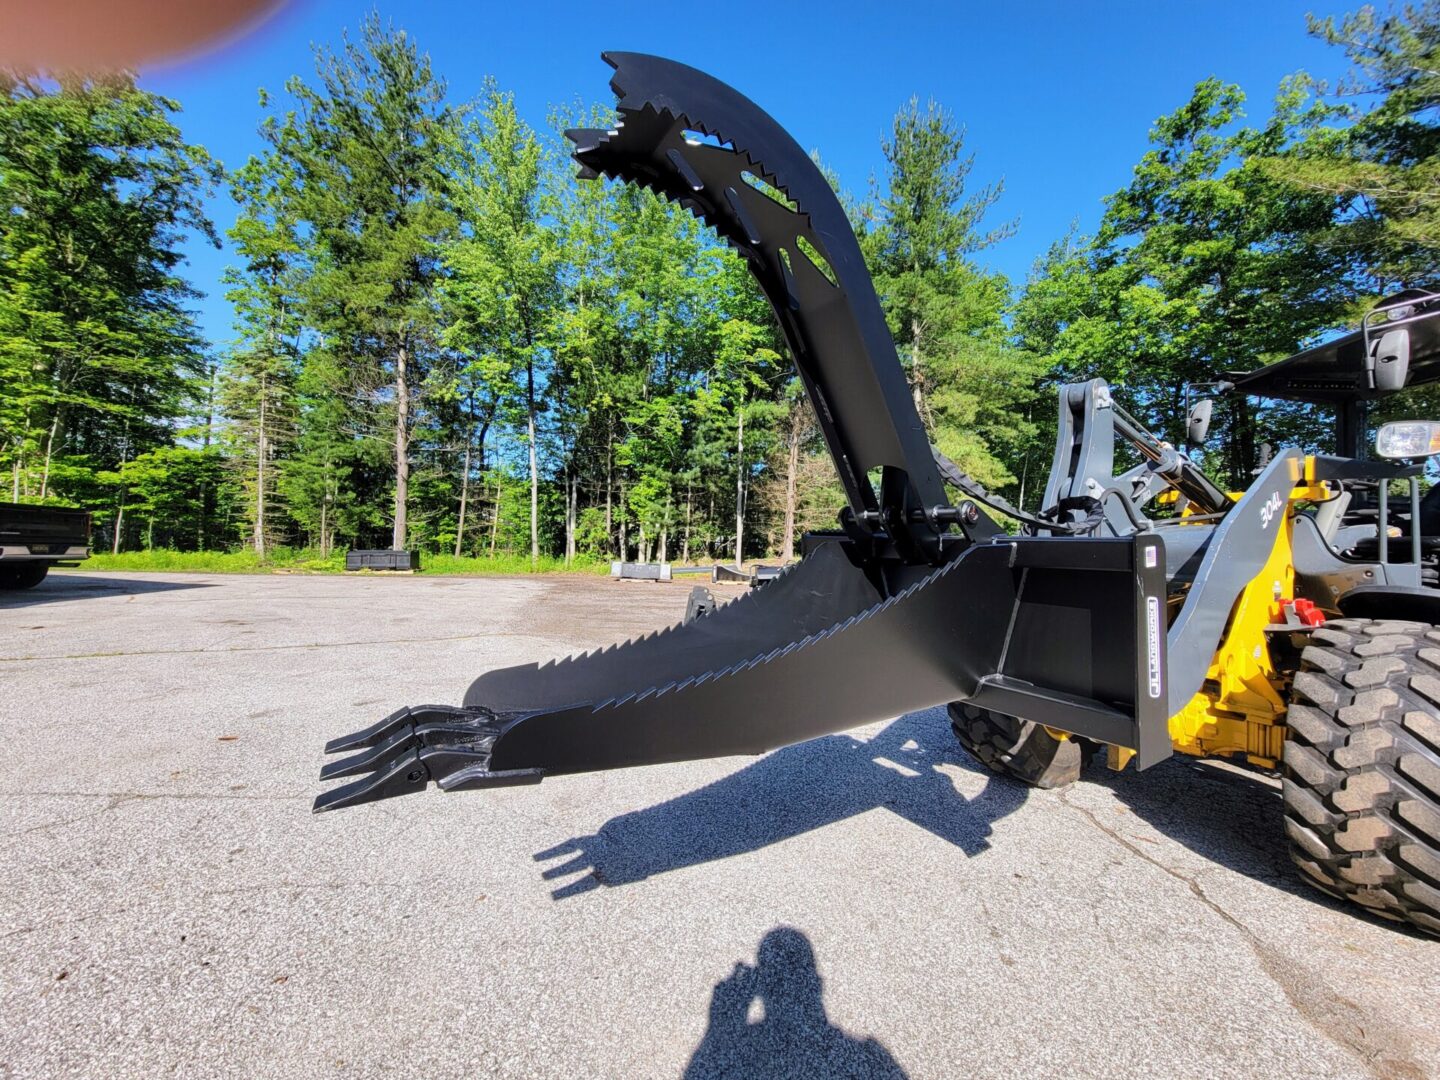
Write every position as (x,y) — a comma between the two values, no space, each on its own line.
(1019,749)
(1361,767)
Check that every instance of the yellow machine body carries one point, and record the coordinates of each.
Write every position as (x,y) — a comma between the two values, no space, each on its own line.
(1240,709)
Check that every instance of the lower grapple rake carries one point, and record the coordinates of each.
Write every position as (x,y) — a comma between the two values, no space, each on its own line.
(457,746)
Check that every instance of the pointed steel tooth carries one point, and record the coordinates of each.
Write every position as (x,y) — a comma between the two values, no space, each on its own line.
(407,738)
(585,139)
(374,734)
(400,776)
(401,720)
(370,759)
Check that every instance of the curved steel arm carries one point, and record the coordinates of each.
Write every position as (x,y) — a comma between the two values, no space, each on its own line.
(697,142)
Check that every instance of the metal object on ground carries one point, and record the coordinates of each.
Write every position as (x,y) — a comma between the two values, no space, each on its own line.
(642,571)
(700,604)
(720,572)
(382,559)
(915,604)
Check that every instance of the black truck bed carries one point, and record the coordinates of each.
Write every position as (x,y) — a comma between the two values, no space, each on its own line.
(43,533)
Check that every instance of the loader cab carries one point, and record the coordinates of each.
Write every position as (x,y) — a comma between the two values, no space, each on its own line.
(1396,348)
(1379,521)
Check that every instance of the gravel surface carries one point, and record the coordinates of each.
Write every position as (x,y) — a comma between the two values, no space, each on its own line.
(867,904)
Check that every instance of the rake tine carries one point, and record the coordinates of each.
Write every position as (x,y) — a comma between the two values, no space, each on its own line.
(408,738)
(397,721)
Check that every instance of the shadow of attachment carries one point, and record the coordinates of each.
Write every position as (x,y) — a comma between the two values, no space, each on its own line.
(792,1036)
(906,768)
(66,585)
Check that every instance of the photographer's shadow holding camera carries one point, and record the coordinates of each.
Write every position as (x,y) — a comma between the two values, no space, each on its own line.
(794,1038)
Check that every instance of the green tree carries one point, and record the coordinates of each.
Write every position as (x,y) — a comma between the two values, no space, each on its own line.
(504,283)
(947,315)
(97,348)
(171,487)
(1206,262)
(366,147)
(258,392)
(1383,160)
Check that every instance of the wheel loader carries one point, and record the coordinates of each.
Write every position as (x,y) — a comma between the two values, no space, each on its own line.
(1144,609)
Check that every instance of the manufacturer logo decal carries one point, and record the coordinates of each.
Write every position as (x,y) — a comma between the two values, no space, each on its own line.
(1152,644)
(1269,508)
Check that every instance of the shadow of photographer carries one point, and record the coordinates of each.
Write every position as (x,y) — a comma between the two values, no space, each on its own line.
(793,1035)
(790,792)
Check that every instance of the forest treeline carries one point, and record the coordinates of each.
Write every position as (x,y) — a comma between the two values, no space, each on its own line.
(443,341)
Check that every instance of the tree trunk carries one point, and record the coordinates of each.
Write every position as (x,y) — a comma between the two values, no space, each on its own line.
(210,403)
(620,538)
(710,517)
(572,517)
(917,373)
(327,498)
(792,467)
(260,450)
(740,484)
(464,495)
(689,516)
(49,447)
(609,483)
(534,462)
(665,534)
(119,526)
(402,448)
(495,519)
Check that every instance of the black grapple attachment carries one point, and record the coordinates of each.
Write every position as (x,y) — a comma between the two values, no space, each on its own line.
(913,603)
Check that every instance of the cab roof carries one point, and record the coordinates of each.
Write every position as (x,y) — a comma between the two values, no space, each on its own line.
(1337,371)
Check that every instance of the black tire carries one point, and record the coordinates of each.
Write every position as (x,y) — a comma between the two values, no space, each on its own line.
(24,575)
(1361,775)
(1017,748)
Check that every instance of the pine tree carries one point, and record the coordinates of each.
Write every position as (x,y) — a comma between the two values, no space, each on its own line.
(259,386)
(366,148)
(97,347)
(504,285)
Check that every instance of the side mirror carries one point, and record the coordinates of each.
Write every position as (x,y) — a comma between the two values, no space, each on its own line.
(1197,424)
(1408,439)
(1392,359)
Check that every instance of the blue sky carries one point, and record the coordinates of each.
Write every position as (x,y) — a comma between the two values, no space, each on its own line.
(1057,98)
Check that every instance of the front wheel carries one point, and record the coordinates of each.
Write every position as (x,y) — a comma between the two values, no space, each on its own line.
(1361,777)
(24,575)
(1020,749)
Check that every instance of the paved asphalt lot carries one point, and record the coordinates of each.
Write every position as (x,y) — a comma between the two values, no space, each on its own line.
(867,904)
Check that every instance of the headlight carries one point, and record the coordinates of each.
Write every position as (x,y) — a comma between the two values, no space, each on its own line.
(1408,439)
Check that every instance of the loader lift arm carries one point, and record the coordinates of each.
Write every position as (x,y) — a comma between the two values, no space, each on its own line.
(918,603)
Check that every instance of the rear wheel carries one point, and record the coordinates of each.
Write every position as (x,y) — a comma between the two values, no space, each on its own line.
(1361,778)
(1016,748)
(24,575)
